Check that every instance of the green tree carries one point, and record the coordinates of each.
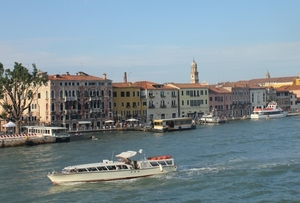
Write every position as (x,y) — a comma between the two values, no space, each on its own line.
(17,90)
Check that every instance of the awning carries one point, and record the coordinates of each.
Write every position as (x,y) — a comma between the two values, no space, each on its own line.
(127,154)
(84,122)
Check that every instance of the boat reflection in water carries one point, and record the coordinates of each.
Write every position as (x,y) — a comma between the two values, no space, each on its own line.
(123,168)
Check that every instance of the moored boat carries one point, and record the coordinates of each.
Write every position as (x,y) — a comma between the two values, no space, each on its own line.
(173,124)
(123,168)
(59,134)
(210,118)
(271,111)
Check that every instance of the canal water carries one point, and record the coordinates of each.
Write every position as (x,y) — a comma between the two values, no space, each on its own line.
(242,161)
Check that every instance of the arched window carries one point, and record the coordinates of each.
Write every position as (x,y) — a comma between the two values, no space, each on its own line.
(52,107)
(61,106)
(86,94)
(46,94)
(52,94)
(60,94)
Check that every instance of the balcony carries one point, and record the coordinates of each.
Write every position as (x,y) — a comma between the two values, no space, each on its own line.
(151,106)
(162,96)
(163,106)
(70,99)
(173,95)
(174,106)
(95,98)
(151,96)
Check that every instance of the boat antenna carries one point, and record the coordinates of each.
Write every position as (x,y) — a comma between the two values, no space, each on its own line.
(112,155)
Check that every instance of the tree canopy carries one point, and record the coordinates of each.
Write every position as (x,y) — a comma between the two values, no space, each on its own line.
(17,90)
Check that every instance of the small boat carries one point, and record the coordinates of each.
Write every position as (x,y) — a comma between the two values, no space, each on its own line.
(210,118)
(94,138)
(107,170)
(173,124)
(271,111)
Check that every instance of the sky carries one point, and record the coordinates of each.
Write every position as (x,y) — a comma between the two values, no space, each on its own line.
(153,40)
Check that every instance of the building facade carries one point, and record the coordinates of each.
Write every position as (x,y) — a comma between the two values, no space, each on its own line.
(192,99)
(78,101)
(161,100)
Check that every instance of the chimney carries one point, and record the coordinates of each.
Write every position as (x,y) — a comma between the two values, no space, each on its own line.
(125,77)
(104,76)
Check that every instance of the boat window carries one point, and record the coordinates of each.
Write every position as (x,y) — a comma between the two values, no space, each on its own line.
(102,168)
(81,170)
(68,170)
(169,162)
(154,163)
(111,167)
(124,167)
(92,169)
(162,163)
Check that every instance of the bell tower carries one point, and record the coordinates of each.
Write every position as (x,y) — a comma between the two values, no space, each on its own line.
(267,74)
(194,72)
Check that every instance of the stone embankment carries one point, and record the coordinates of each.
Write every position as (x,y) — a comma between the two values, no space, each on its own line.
(14,140)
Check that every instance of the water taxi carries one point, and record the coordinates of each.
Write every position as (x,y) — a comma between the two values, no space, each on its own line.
(271,111)
(173,124)
(59,134)
(123,168)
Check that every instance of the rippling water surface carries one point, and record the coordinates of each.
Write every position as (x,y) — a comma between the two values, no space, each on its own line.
(242,161)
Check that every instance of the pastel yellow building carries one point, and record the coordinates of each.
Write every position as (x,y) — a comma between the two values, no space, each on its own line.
(127,102)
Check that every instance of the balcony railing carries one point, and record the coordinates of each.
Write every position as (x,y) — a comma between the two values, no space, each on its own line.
(163,106)
(151,106)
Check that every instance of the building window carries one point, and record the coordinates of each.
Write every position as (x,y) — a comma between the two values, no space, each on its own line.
(122,94)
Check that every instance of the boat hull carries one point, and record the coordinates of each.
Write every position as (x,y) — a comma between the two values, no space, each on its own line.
(60,178)
(258,116)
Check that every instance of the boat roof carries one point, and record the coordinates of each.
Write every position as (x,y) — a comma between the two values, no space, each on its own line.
(97,164)
(43,127)
(127,154)
(173,119)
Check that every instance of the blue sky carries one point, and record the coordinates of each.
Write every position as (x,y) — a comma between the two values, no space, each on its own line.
(153,40)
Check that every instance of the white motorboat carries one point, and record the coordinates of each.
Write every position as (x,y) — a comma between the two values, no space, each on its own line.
(271,111)
(210,118)
(107,170)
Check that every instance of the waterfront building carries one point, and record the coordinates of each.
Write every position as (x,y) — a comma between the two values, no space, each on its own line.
(241,105)
(78,101)
(258,97)
(127,102)
(283,98)
(192,99)
(161,100)
(220,101)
